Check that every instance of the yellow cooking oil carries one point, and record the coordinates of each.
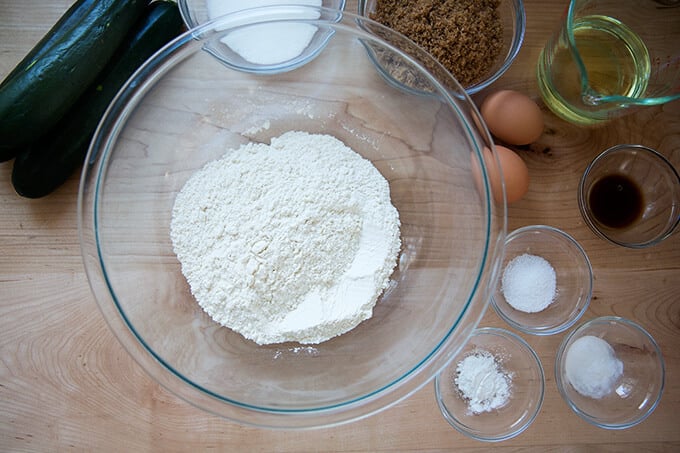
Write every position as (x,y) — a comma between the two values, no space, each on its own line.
(616,63)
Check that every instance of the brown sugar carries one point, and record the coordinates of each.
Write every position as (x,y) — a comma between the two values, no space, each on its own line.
(465,36)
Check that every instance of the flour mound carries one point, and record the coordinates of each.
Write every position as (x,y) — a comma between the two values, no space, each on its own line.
(292,241)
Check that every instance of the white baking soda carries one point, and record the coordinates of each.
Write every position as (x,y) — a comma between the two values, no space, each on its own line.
(292,241)
(267,43)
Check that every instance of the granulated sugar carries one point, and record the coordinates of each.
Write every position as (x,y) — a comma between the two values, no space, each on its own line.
(529,283)
(267,43)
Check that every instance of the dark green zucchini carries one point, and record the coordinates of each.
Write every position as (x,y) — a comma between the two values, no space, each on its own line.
(37,93)
(47,163)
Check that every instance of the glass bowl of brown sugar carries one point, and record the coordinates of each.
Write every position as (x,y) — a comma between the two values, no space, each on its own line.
(475,40)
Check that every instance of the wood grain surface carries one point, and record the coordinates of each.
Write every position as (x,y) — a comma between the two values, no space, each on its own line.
(66,384)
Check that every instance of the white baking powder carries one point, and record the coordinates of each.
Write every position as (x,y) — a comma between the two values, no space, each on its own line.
(529,283)
(482,382)
(266,43)
(292,241)
(591,367)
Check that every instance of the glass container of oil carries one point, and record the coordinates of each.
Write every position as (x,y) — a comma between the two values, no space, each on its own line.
(609,57)
(630,195)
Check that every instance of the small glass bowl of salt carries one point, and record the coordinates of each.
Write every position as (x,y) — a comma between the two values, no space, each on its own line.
(610,371)
(493,388)
(546,281)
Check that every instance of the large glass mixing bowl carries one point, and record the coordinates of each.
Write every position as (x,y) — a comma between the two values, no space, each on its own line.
(185,107)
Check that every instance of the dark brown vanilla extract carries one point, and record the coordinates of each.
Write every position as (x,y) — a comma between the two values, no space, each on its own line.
(615,201)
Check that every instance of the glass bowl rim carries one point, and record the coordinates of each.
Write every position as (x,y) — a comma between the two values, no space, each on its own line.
(187,15)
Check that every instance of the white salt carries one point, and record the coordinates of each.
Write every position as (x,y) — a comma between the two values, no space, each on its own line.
(529,283)
(591,367)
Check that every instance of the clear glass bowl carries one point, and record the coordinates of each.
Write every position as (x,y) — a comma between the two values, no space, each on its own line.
(513,19)
(658,184)
(197,12)
(185,108)
(517,359)
(574,280)
(264,44)
(638,390)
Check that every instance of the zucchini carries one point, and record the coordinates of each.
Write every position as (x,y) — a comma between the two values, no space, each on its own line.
(48,163)
(35,95)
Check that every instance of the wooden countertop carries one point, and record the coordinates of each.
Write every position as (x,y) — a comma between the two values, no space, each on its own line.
(67,384)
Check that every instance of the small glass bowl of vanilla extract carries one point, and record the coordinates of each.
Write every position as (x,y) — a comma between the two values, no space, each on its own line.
(630,196)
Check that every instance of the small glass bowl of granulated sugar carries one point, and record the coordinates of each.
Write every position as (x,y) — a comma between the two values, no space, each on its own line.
(546,281)
(493,389)
(610,372)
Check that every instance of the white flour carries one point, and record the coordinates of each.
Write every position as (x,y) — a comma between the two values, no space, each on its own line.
(292,241)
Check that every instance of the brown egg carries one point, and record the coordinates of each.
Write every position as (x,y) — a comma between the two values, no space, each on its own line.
(512,117)
(515,174)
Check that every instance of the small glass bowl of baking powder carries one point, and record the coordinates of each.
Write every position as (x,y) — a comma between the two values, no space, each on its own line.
(493,388)
(546,281)
(610,372)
